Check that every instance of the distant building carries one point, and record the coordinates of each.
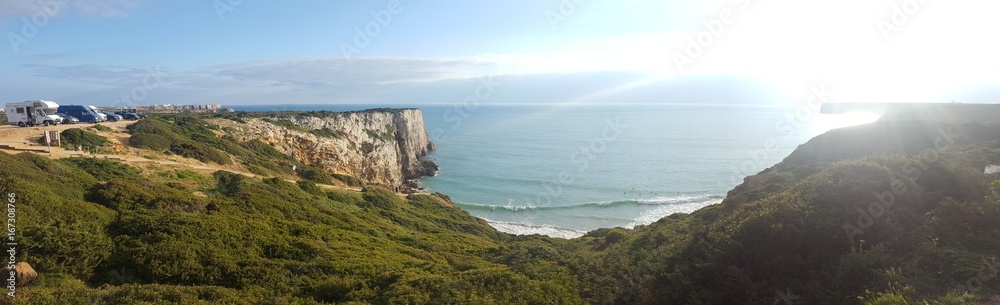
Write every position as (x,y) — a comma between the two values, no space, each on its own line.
(168,108)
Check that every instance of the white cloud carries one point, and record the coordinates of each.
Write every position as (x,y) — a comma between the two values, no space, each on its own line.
(337,72)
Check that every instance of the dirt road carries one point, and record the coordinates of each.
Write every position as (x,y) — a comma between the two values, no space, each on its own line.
(21,134)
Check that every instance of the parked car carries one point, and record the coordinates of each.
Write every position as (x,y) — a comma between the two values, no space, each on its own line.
(103,116)
(82,112)
(128,115)
(66,119)
(113,117)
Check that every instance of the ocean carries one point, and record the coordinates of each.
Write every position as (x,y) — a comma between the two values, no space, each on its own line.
(563,170)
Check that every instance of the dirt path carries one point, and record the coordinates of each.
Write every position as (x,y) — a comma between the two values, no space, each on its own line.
(21,134)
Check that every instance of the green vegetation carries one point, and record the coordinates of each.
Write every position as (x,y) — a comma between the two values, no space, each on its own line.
(76,137)
(865,215)
(322,132)
(137,239)
(187,137)
(385,135)
(822,233)
(349,180)
(103,169)
(287,124)
(314,174)
(327,132)
(101,128)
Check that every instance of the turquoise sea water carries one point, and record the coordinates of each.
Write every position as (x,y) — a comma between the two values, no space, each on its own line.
(565,170)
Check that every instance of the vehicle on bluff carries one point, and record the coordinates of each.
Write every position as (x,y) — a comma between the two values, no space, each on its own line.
(84,113)
(66,119)
(31,113)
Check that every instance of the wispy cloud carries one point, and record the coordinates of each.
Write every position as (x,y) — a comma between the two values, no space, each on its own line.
(378,80)
(91,74)
(338,72)
(578,77)
(89,8)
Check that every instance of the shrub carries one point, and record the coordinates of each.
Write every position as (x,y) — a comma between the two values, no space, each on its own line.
(349,180)
(188,137)
(309,187)
(103,169)
(382,198)
(200,152)
(314,174)
(327,132)
(100,128)
(150,141)
(76,137)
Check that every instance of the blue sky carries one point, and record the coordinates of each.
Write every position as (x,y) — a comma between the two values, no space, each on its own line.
(143,52)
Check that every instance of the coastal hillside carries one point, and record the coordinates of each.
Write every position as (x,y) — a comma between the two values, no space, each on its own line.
(885,213)
(379,146)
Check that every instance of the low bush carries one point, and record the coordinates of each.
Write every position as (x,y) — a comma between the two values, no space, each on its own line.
(103,169)
(101,128)
(314,174)
(349,180)
(76,137)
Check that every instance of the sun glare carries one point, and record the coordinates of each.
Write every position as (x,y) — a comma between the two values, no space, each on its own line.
(827,122)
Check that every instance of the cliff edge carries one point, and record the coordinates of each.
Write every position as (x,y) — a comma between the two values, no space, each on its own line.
(385,146)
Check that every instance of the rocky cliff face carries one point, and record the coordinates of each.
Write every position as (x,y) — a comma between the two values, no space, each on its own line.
(378,146)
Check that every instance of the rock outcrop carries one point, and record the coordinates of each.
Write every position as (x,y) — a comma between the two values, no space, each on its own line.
(24,274)
(384,146)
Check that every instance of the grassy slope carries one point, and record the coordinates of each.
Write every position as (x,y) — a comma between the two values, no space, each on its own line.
(780,237)
(784,238)
(251,242)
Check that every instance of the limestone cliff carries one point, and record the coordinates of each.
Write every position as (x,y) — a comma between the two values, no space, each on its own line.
(384,146)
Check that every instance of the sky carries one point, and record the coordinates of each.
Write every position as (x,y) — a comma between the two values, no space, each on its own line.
(232,52)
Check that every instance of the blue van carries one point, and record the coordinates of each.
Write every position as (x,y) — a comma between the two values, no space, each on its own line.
(84,113)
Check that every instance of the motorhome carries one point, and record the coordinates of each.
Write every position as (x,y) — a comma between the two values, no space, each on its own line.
(31,113)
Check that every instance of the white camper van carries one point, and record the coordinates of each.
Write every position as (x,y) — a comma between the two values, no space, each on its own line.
(32,113)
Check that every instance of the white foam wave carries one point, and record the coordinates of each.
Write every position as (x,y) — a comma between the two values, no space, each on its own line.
(527,229)
(671,200)
(656,214)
